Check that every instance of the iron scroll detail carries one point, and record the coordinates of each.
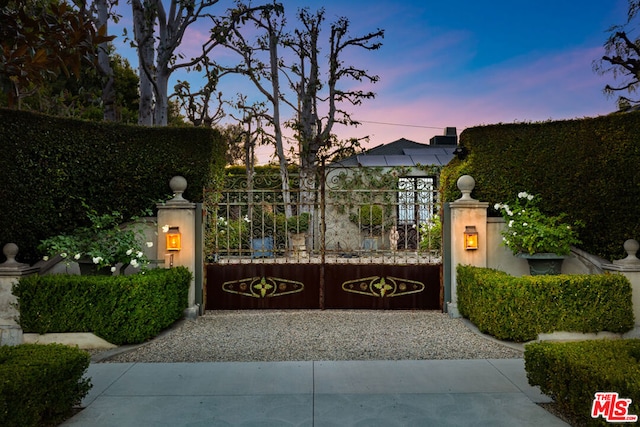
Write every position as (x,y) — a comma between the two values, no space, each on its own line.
(383,287)
(263,287)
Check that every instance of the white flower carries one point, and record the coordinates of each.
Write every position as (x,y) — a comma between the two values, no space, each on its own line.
(530,197)
(97,259)
(246,219)
(165,228)
(77,256)
(129,252)
(140,254)
(509,212)
(45,258)
(497,206)
(523,195)
(134,263)
(113,269)
(63,254)
(510,223)
(149,244)
(524,224)
(221,219)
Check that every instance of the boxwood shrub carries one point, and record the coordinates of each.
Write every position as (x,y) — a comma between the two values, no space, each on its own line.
(40,384)
(571,373)
(120,309)
(520,308)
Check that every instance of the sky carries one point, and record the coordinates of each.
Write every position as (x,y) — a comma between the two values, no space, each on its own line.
(458,63)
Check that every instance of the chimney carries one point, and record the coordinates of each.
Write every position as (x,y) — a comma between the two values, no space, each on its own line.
(449,138)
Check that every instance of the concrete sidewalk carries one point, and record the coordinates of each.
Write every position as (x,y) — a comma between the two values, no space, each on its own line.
(344,393)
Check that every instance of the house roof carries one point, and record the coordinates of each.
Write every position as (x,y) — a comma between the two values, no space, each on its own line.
(402,152)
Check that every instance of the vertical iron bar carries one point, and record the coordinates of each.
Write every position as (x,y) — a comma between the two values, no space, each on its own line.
(323,230)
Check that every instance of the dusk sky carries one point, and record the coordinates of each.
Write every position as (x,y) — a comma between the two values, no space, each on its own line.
(462,63)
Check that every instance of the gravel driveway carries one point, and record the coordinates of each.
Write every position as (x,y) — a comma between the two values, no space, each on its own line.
(296,335)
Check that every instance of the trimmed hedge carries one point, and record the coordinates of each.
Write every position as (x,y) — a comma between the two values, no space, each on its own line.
(120,309)
(40,384)
(571,373)
(587,168)
(520,308)
(48,165)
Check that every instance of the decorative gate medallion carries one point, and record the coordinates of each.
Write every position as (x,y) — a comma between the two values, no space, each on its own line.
(263,287)
(383,287)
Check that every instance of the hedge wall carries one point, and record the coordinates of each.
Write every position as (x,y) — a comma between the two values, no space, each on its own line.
(49,164)
(587,168)
(521,308)
(120,309)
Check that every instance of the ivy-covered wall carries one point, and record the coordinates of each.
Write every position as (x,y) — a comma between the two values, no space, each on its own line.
(49,165)
(588,168)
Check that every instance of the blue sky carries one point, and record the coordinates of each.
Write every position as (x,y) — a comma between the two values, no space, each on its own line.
(465,63)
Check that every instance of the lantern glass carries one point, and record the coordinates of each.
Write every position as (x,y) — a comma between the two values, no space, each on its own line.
(174,239)
(470,238)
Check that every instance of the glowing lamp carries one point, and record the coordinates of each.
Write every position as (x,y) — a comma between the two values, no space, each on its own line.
(470,238)
(174,239)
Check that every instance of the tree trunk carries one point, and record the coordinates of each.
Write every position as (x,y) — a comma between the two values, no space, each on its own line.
(161,97)
(104,64)
(143,34)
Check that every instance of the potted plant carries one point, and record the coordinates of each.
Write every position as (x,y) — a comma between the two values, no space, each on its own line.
(99,247)
(541,239)
(372,219)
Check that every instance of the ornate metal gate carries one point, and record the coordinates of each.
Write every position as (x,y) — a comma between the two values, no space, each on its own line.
(357,238)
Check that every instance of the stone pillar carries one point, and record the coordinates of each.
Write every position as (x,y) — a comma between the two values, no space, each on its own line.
(466,211)
(179,212)
(630,268)
(10,273)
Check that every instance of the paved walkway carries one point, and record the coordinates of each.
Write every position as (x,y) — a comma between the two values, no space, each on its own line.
(331,393)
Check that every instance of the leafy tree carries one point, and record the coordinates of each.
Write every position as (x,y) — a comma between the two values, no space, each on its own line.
(622,56)
(41,39)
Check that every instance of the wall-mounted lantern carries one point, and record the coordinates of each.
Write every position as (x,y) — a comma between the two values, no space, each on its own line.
(174,239)
(470,238)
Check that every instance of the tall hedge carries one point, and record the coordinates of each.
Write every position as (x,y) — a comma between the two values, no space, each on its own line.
(49,164)
(587,168)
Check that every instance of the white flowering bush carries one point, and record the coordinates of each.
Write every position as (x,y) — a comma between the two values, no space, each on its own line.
(529,231)
(104,242)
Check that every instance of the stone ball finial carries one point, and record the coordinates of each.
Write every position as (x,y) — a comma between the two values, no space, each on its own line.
(10,250)
(466,184)
(631,246)
(178,185)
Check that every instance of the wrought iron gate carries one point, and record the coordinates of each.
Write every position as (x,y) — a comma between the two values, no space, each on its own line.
(353,239)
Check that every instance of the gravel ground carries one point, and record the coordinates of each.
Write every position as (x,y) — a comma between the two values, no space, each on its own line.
(296,335)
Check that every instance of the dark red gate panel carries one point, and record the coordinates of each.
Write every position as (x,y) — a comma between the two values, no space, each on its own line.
(333,286)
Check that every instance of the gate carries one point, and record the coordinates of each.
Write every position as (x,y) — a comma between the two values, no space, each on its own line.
(349,238)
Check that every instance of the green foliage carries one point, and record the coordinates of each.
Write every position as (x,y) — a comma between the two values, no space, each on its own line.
(120,309)
(530,231)
(40,384)
(585,168)
(231,236)
(520,308)
(49,165)
(106,242)
(431,234)
(299,223)
(571,373)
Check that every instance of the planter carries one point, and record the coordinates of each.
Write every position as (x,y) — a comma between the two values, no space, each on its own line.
(262,247)
(298,243)
(543,263)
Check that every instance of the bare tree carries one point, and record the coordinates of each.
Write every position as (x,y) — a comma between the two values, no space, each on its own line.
(319,104)
(622,56)
(266,75)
